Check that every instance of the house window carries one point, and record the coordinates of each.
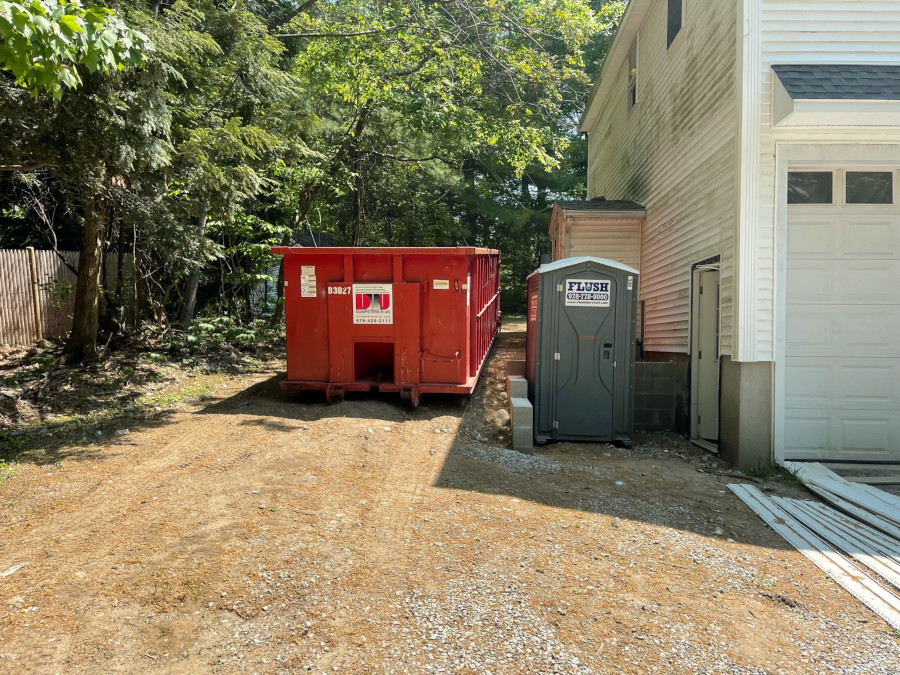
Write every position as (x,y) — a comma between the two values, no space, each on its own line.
(632,76)
(870,187)
(674,21)
(810,187)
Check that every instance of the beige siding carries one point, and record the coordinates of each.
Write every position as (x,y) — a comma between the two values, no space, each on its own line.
(618,240)
(675,152)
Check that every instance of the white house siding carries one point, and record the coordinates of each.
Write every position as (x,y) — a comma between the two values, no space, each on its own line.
(801,32)
(675,152)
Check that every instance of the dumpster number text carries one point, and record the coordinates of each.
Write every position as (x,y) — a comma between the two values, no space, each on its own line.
(587,292)
(338,290)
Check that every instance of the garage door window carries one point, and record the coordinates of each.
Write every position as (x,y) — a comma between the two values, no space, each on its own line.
(870,187)
(810,187)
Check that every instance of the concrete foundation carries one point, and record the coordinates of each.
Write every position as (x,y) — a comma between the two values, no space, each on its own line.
(745,413)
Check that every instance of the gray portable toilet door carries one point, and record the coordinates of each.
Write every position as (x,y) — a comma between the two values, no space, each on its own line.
(585,356)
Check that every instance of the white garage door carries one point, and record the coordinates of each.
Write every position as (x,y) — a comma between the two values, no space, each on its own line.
(842,365)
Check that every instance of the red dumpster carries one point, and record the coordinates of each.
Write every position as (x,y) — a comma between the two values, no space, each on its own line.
(413,320)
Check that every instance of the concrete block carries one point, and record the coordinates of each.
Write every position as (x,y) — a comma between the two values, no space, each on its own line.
(517,386)
(523,439)
(522,412)
(522,423)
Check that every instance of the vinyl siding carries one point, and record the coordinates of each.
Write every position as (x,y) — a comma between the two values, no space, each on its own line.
(675,152)
(618,240)
(799,32)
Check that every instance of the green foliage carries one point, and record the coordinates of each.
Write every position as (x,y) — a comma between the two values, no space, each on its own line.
(261,122)
(42,42)
(212,335)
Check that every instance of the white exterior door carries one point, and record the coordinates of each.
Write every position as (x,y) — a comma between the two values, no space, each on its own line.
(705,355)
(842,340)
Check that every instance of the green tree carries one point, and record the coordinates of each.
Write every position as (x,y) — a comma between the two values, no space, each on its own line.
(42,42)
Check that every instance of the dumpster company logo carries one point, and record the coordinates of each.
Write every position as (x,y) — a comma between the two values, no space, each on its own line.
(373,303)
(587,292)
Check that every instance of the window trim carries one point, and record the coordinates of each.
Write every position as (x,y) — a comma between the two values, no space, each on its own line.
(836,195)
(631,94)
(839,184)
(672,37)
(854,169)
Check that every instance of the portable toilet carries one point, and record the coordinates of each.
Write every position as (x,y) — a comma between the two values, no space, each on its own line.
(580,347)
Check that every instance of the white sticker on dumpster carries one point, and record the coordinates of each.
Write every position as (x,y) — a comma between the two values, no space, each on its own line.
(587,292)
(307,286)
(373,303)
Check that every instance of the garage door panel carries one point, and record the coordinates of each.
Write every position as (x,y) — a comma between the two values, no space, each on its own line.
(869,385)
(827,282)
(869,236)
(849,384)
(852,435)
(842,331)
(812,236)
(808,384)
(806,434)
(870,434)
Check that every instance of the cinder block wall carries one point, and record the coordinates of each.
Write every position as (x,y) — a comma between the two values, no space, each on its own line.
(659,396)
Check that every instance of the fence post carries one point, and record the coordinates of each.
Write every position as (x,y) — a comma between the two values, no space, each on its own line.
(35,294)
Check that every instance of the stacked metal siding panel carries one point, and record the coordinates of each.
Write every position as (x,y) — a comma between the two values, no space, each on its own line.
(676,152)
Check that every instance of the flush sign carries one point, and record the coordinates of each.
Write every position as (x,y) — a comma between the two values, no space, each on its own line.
(587,292)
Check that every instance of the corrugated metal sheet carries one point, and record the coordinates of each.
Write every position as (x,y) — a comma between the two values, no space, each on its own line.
(810,31)
(675,151)
(56,284)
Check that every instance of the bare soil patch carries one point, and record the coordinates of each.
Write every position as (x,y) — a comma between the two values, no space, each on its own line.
(265,531)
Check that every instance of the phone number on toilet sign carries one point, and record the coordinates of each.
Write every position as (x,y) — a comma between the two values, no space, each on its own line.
(587,292)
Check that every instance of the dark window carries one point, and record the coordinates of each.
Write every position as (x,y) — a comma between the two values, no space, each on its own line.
(870,187)
(674,24)
(632,76)
(810,187)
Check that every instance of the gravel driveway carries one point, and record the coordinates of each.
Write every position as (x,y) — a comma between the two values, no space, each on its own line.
(268,532)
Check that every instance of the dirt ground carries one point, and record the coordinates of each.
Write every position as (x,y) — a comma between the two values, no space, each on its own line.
(265,531)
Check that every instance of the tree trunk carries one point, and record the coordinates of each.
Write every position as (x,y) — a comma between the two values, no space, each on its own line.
(82,343)
(192,283)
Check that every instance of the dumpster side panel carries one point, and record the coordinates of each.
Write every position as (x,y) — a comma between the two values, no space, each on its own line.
(306,314)
(444,316)
(485,307)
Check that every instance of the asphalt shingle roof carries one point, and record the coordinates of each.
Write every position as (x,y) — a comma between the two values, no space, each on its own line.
(856,82)
(600,204)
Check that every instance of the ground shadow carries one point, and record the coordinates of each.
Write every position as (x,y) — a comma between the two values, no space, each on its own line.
(663,480)
(268,403)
